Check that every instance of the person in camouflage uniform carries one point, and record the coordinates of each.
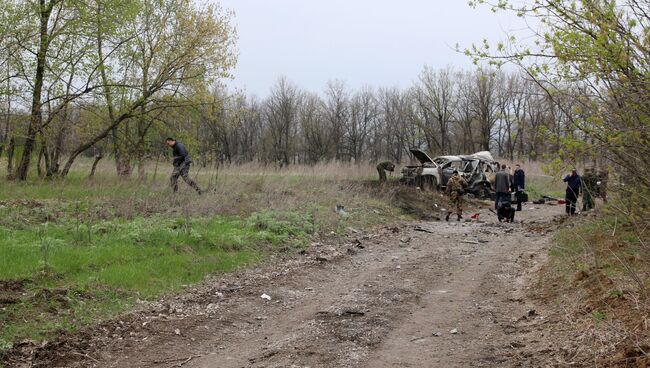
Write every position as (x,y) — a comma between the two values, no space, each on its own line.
(182,163)
(589,189)
(382,168)
(455,189)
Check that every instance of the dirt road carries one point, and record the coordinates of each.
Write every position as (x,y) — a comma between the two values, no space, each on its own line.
(429,294)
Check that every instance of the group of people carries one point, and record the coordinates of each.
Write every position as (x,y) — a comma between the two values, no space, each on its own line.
(509,186)
(506,185)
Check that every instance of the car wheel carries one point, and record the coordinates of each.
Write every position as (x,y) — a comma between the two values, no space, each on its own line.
(430,184)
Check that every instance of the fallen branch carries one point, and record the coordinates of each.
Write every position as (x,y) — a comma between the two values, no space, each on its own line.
(187,360)
(85,356)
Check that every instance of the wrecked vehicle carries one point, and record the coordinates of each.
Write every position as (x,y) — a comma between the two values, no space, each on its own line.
(433,174)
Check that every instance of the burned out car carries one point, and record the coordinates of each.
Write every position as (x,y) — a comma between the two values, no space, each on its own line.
(433,173)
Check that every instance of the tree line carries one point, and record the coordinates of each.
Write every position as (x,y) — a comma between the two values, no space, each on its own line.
(115,77)
(444,112)
(78,74)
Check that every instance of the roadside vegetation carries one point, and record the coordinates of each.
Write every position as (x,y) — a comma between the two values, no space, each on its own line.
(599,275)
(76,251)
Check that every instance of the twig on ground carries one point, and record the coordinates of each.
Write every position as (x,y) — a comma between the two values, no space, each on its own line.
(85,356)
(187,360)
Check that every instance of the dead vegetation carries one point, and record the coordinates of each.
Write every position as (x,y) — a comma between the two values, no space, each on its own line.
(599,276)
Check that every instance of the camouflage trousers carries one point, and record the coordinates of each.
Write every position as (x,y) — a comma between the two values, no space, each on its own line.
(456,201)
(382,175)
(184,172)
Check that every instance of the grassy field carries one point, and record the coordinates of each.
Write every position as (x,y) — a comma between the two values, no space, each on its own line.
(75,251)
(80,250)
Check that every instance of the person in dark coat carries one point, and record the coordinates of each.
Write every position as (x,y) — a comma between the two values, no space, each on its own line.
(519,184)
(501,186)
(573,190)
(506,212)
(181,163)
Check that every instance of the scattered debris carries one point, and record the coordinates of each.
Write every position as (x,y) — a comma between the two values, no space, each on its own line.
(340,209)
(353,230)
(454,331)
(321,259)
(425,229)
(264,296)
(436,334)
(351,312)
(357,243)
(177,331)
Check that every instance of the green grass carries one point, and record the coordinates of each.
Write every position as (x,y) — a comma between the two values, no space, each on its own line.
(85,250)
(103,267)
(538,186)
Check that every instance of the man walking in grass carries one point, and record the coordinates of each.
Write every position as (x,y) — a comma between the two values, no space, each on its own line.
(181,164)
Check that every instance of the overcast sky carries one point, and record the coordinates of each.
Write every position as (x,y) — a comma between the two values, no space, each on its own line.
(362,42)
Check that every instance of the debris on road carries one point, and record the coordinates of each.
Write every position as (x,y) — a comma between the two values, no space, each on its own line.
(340,209)
(425,229)
(264,296)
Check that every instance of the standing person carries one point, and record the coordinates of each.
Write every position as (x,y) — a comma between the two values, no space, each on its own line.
(519,184)
(573,190)
(382,168)
(182,163)
(502,186)
(455,189)
(589,189)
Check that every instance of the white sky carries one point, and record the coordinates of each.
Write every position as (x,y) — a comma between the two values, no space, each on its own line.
(362,42)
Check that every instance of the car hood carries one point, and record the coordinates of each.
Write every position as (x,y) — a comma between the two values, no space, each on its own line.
(421,156)
(483,155)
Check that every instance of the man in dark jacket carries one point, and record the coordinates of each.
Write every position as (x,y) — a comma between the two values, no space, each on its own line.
(573,190)
(181,164)
(506,212)
(519,184)
(501,186)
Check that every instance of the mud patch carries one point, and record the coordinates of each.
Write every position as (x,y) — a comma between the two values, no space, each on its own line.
(12,291)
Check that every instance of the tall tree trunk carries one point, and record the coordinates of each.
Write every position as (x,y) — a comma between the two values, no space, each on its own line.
(10,158)
(39,162)
(36,111)
(122,164)
(98,157)
(5,135)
